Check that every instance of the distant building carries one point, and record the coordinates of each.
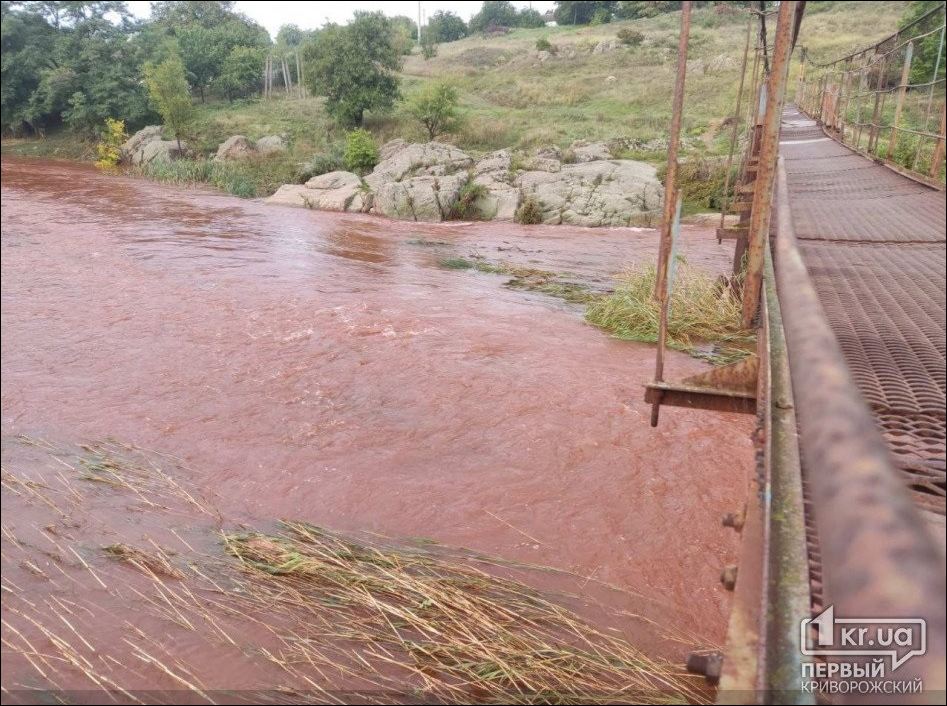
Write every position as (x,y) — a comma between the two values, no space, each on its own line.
(549,17)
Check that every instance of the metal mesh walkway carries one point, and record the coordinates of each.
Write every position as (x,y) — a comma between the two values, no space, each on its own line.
(873,242)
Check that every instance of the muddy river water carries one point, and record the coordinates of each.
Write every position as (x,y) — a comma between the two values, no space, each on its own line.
(325,367)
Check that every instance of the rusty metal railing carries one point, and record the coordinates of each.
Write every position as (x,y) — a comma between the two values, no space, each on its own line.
(827,520)
(882,101)
(878,557)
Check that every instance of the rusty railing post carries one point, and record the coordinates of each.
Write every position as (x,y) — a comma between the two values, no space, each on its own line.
(902,92)
(939,145)
(735,128)
(876,111)
(661,293)
(766,168)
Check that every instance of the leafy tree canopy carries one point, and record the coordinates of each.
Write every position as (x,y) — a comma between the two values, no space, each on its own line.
(925,49)
(77,63)
(169,92)
(582,13)
(500,13)
(354,67)
(446,26)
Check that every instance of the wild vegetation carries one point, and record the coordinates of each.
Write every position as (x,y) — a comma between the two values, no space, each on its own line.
(609,78)
(702,311)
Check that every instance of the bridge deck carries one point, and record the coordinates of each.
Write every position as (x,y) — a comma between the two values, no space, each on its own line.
(874,244)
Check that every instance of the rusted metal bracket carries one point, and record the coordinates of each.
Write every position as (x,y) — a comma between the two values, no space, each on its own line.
(728,388)
(732,233)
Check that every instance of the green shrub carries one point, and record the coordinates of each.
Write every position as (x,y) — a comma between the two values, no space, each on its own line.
(630,37)
(109,150)
(701,182)
(332,160)
(435,107)
(428,46)
(530,212)
(465,207)
(602,16)
(361,151)
(543,44)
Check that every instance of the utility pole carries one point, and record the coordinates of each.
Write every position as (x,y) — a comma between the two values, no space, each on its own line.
(419,21)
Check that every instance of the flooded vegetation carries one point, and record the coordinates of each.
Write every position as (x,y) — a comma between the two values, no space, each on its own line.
(328,371)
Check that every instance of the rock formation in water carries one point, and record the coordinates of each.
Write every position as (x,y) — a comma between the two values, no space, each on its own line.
(147,146)
(422,182)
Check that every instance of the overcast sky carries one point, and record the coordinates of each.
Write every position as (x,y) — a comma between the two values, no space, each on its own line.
(310,15)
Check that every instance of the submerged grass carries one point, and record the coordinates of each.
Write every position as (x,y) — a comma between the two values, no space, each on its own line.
(701,311)
(458,634)
(406,622)
(529,278)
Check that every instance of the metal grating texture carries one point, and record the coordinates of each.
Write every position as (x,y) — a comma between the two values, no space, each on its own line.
(873,242)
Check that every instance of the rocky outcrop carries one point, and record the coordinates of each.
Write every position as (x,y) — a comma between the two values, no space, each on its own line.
(418,182)
(421,198)
(146,146)
(134,143)
(238,147)
(233,148)
(417,160)
(583,151)
(335,191)
(595,193)
(422,182)
(502,198)
(391,148)
(270,144)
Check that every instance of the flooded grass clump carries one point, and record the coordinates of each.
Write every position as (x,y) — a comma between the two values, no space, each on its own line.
(701,311)
(459,634)
(156,562)
(553,284)
(456,263)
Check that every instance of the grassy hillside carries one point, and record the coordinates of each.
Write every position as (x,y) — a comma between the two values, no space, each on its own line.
(512,99)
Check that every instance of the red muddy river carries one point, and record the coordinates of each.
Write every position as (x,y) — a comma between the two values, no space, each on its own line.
(324,367)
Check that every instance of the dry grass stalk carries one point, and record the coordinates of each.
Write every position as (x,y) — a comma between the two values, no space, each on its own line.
(156,563)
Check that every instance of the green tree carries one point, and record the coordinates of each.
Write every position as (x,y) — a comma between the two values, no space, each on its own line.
(207,33)
(494,13)
(27,43)
(632,10)
(169,92)
(93,75)
(925,49)
(69,13)
(240,75)
(530,18)
(446,26)
(354,66)
(574,12)
(404,33)
(435,107)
